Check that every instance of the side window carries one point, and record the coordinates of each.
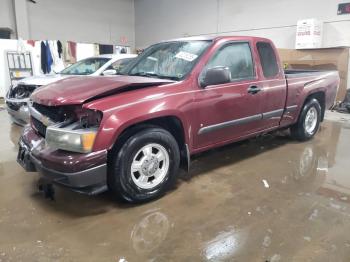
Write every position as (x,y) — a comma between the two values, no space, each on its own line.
(268,59)
(237,57)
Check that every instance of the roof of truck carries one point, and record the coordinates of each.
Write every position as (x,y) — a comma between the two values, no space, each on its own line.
(215,38)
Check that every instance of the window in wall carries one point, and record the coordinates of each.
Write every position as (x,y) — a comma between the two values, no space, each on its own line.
(268,59)
(237,57)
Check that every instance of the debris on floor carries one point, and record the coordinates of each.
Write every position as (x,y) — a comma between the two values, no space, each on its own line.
(275,258)
(336,206)
(344,198)
(266,185)
(267,241)
(314,214)
(308,239)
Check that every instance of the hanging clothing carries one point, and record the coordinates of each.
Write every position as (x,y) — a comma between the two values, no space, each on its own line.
(106,49)
(21,47)
(96,50)
(73,50)
(59,48)
(31,42)
(48,57)
(70,52)
(43,56)
(57,64)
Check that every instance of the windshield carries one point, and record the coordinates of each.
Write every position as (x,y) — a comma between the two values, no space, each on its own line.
(85,67)
(170,60)
(120,64)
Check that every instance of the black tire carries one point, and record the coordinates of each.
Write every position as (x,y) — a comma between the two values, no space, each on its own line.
(298,131)
(120,180)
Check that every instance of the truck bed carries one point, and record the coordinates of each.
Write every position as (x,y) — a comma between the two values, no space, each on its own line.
(303,82)
(305,72)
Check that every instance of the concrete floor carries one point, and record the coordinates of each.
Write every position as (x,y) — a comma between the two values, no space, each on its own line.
(221,211)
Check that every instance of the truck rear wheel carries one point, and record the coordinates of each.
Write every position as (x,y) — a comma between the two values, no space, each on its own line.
(145,167)
(308,122)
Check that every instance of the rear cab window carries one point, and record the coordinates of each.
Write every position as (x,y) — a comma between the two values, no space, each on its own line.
(268,59)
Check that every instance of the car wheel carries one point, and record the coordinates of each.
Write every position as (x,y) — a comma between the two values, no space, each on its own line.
(308,122)
(145,166)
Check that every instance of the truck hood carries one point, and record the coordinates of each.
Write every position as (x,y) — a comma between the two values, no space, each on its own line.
(42,80)
(79,89)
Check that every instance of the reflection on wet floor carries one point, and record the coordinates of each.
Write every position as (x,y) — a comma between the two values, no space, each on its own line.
(221,211)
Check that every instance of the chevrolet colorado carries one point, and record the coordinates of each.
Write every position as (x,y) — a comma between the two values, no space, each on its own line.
(130,133)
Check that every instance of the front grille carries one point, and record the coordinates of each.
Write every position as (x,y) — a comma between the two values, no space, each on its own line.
(52,112)
(39,127)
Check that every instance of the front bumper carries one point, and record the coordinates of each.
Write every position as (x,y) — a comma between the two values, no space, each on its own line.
(18,110)
(83,173)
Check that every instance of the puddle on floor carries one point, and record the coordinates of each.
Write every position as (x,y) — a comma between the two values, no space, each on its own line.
(266,199)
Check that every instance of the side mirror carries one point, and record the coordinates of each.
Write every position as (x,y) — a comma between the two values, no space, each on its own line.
(215,76)
(109,72)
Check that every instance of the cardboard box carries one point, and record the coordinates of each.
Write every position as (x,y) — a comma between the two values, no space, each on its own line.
(309,34)
(320,59)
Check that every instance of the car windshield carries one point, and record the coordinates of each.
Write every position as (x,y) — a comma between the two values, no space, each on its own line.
(120,64)
(170,60)
(85,67)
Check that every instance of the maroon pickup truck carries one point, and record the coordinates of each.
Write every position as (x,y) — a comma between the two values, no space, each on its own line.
(130,133)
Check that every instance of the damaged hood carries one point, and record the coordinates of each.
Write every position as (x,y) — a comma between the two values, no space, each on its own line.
(79,89)
(42,80)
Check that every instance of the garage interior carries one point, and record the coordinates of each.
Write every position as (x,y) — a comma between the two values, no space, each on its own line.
(266,198)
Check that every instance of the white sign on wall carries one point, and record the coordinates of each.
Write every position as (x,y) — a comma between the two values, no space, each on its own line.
(309,34)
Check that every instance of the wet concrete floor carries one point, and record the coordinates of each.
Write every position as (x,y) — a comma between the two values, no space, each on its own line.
(266,199)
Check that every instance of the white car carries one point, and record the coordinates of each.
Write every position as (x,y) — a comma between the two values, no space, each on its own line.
(18,95)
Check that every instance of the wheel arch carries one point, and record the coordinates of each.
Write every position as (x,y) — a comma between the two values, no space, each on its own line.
(172,123)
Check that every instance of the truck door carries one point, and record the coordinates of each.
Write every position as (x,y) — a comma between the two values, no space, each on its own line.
(273,84)
(230,111)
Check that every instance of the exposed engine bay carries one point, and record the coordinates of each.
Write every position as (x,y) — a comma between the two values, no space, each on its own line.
(73,116)
(21,91)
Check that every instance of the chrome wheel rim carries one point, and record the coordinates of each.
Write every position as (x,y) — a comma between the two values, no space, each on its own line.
(150,166)
(310,120)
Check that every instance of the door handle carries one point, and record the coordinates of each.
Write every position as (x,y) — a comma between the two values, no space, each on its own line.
(254,89)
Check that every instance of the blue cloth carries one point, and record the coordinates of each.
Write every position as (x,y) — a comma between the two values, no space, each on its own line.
(43,57)
(48,57)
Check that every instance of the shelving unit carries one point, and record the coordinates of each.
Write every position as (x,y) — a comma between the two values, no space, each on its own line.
(20,65)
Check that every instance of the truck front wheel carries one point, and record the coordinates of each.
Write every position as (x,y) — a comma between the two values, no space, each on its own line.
(308,122)
(145,167)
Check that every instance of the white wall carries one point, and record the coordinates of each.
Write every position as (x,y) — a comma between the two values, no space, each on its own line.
(82,21)
(157,20)
(89,21)
(86,21)
(7,15)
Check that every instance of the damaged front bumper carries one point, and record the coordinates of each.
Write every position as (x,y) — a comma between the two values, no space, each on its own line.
(18,110)
(17,99)
(83,173)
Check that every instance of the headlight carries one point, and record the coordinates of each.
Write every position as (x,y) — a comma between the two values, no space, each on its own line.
(76,140)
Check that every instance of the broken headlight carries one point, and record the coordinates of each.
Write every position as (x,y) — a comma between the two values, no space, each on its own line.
(78,136)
